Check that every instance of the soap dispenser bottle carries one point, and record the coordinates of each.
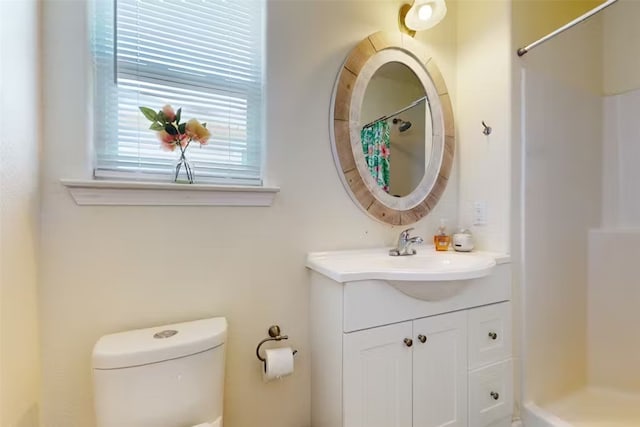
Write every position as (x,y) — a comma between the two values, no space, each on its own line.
(442,240)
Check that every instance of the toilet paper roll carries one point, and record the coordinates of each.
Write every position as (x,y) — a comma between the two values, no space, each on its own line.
(279,363)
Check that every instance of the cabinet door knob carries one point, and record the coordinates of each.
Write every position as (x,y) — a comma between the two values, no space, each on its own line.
(495,395)
(422,338)
(408,342)
(493,335)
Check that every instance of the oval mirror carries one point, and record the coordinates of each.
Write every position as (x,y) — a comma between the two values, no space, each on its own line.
(392,128)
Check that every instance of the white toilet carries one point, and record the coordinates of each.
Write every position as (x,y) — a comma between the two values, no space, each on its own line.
(167,376)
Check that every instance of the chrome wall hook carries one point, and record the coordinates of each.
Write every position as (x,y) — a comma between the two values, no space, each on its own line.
(487,129)
(274,335)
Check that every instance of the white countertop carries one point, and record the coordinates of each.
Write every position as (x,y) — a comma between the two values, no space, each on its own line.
(427,265)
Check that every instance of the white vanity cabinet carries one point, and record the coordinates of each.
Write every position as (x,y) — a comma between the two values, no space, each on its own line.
(392,378)
(381,358)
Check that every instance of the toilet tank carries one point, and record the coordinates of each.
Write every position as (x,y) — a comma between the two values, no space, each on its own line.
(166,376)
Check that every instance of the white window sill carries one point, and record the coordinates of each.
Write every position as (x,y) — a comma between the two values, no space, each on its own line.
(133,193)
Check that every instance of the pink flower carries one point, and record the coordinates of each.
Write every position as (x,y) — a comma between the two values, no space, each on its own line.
(168,141)
(169,113)
(384,151)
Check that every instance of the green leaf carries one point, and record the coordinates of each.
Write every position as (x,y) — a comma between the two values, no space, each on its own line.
(204,125)
(182,127)
(171,130)
(178,114)
(156,126)
(161,118)
(149,113)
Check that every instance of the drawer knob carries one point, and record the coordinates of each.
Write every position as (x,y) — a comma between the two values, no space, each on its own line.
(495,395)
(493,335)
(422,338)
(408,342)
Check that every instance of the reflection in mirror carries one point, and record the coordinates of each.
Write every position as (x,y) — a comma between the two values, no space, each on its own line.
(396,133)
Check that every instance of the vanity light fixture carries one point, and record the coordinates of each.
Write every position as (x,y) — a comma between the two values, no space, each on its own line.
(421,15)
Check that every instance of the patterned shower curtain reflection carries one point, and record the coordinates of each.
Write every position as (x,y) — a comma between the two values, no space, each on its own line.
(376,142)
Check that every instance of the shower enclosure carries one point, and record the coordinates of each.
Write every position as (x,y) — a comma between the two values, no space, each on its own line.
(580,228)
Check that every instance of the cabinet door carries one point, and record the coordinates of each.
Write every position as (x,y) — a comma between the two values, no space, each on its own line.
(440,371)
(377,377)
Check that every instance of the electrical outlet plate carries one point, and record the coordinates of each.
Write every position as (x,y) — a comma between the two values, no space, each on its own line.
(480,213)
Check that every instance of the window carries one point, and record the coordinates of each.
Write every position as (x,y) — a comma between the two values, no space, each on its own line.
(204,56)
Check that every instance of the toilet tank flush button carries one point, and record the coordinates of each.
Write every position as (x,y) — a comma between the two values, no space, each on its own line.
(167,333)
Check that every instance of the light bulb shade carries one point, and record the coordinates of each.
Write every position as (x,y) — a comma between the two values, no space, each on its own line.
(413,19)
(425,12)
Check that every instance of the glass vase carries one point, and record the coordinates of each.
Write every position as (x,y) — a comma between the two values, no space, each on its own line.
(183,170)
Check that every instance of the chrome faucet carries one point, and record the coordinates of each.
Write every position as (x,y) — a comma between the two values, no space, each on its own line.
(404,244)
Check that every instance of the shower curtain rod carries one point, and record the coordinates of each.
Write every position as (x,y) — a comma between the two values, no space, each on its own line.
(402,110)
(523,50)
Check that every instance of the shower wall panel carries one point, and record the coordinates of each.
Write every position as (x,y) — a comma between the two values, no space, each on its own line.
(562,198)
(614,298)
(621,154)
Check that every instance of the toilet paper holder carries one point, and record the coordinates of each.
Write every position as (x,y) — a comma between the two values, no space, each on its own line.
(274,335)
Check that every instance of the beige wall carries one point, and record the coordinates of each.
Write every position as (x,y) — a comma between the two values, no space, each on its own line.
(484,94)
(19,153)
(537,18)
(106,269)
(575,63)
(483,78)
(621,41)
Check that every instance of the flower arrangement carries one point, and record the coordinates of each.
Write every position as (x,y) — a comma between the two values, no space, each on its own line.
(172,134)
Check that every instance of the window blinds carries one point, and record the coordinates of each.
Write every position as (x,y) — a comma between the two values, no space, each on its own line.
(205,56)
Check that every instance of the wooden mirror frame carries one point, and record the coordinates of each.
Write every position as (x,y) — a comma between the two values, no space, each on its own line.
(348,93)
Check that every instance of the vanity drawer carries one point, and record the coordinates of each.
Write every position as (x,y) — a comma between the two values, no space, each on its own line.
(491,394)
(489,334)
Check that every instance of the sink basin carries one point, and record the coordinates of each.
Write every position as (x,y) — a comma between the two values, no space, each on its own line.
(427,265)
(423,276)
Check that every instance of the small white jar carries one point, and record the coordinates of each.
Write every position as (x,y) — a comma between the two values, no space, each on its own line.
(463,241)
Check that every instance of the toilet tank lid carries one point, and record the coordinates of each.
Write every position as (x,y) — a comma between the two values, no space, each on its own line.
(157,344)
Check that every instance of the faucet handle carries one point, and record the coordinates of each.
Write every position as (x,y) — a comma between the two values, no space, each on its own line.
(406,232)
